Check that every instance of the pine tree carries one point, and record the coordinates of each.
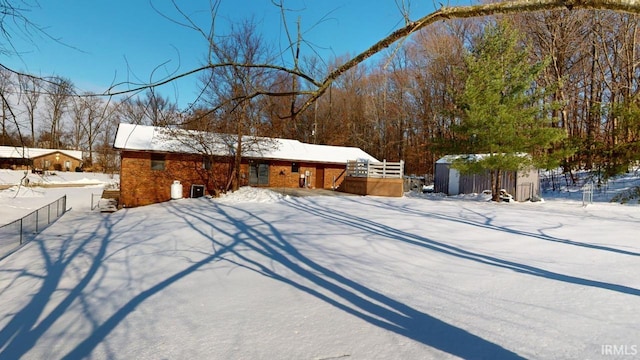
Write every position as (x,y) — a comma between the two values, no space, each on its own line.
(502,112)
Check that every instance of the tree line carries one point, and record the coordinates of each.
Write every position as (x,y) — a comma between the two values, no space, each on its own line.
(50,113)
(404,104)
(408,103)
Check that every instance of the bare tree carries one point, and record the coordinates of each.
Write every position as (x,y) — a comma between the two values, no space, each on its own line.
(157,110)
(31,89)
(78,115)
(107,157)
(6,85)
(228,91)
(14,21)
(97,115)
(59,91)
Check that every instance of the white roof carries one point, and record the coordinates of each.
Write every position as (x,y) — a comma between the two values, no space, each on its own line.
(17,152)
(449,159)
(157,139)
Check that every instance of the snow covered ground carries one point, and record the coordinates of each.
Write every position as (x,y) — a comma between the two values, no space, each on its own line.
(258,275)
(17,201)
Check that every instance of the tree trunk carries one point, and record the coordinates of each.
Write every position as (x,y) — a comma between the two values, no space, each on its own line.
(496,182)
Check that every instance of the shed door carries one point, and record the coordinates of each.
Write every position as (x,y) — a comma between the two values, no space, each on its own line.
(454,182)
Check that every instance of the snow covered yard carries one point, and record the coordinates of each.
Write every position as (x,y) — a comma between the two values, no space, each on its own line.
(18,201)
(256,275)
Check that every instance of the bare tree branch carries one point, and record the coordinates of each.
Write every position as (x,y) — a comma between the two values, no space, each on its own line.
(142,86)
(445,13)
(462,12)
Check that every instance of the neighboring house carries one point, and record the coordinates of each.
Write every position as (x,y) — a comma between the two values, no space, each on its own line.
(23,158)
(154,158)
(522,185)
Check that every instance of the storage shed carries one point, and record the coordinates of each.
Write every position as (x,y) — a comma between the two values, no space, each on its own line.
(523,185)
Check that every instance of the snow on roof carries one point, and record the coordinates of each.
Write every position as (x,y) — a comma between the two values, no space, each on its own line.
(17,152)
(449,159)
(157,139)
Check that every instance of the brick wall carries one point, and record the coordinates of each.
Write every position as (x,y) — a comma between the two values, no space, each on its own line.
(336,172)
(281,174)
(50,162)
(141,185)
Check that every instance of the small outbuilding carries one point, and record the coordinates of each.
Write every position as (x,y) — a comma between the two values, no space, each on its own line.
(37,159)
(522,185)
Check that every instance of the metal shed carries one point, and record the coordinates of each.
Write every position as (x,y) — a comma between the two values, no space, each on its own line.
(523,185)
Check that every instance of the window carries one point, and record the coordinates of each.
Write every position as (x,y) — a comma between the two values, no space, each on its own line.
(258,174)
(157,161)
(295,167)
(207,163)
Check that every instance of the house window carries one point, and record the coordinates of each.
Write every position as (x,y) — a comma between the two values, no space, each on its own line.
(207,163)
(295,167)
(157,162)
(259,174)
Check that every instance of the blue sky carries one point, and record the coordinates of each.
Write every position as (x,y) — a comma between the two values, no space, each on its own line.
(106,42)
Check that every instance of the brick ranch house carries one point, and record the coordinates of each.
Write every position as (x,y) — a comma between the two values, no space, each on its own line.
(19,158)
(154,158)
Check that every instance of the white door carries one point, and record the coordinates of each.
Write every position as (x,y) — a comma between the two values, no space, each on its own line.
(454,182)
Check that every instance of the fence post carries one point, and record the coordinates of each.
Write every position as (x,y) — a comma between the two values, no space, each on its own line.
(21,220)
(587,194)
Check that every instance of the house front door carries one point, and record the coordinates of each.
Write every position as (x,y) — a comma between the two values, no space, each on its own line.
(319,178)
(259,174)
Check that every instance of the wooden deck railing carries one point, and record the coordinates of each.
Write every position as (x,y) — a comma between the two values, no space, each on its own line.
(384,170)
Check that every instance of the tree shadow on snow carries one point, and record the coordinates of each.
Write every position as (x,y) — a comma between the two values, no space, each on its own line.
(81,255)
(368,225)
(488,224)
(28,324)
(335,289)
(239,230)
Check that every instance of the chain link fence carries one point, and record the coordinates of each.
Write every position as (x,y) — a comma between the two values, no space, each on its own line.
(23,230)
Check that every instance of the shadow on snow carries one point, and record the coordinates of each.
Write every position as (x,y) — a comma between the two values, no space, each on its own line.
(356,299)
(243,227)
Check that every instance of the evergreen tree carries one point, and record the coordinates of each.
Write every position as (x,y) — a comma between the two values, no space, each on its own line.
(502,112)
